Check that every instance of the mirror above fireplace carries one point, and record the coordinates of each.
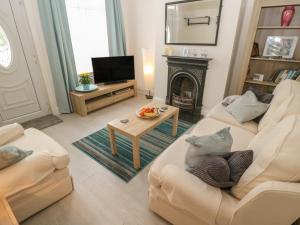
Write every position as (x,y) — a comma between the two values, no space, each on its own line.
(192,22)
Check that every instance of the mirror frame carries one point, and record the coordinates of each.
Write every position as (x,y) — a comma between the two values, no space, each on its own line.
(187,1)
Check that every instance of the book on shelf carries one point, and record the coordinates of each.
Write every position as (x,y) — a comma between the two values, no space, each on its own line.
(284,74)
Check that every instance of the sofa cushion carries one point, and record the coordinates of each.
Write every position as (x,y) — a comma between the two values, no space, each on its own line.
(224,170)
(282,92)
(219,113)
(247,107)
(10,155)
(175,153)
(290,106)
(47,157)
(201,146)
(276,156)
(261,95)
(214,171)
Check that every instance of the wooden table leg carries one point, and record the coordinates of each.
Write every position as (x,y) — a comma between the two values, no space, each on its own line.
(136,152)
(112,139)
(175,124)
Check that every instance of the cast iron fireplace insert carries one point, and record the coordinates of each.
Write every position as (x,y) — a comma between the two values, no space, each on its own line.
(186,80)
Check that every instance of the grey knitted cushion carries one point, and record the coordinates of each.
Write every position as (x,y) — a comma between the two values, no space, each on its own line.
(224,170)
(214,171)
(239,163)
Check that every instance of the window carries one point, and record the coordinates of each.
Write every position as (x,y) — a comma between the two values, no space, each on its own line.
(5,50)
(87,21)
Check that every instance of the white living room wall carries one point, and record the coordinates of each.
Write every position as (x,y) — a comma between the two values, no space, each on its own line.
(144,23)
(140,31)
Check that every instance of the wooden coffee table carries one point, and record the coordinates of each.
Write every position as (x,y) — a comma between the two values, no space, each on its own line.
(136,127)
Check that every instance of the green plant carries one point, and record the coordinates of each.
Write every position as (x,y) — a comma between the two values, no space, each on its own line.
(85,78)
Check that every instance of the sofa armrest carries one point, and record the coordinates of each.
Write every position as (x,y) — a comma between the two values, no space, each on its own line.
(270,203)
(187,192)
(10,132)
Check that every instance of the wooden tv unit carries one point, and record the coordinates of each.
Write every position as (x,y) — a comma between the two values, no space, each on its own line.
(105,95)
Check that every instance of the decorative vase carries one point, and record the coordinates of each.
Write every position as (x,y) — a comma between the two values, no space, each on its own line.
(287,16)
(86,87)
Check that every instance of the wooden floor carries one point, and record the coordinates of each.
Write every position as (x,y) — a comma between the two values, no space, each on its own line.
(99,197)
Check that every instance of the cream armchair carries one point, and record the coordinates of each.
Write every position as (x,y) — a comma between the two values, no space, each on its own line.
(40,179)
(269,191)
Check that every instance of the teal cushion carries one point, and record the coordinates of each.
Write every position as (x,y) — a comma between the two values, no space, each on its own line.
(247,107)
(10,155)
(204,146)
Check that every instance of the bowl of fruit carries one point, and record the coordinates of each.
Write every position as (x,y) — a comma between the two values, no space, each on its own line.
(148,112)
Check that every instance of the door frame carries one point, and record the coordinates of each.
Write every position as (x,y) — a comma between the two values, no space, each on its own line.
(33,16)
(27,42)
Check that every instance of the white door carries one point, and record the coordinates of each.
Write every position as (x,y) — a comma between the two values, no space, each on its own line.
(18,96)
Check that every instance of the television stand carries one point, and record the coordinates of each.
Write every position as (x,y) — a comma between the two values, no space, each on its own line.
(105,95)
(115,82)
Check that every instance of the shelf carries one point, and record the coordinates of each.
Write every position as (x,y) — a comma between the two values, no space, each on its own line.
(278,27)
(264,83)
(187,57)
(276,60)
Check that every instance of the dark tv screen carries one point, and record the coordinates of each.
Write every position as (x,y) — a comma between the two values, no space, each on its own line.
(113,69)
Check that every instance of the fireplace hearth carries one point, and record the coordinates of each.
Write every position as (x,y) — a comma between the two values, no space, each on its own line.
(186,80)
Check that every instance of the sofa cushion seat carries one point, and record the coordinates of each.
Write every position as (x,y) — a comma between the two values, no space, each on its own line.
(175,154)
(219,113)
(241,137)
(47,157)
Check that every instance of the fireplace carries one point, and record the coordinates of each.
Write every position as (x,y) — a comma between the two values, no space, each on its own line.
(186,80)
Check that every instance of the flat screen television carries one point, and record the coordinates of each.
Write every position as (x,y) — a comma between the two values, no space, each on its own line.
(113,69)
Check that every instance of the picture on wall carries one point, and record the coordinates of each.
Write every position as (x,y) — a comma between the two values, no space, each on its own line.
(280,46)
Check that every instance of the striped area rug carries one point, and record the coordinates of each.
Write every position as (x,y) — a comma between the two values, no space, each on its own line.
(97,146)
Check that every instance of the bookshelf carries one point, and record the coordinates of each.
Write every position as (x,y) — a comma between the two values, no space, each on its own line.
(268,23)
(276,60)
(264,83)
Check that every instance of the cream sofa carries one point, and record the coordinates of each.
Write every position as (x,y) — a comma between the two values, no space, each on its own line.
(38,180)
(269,191)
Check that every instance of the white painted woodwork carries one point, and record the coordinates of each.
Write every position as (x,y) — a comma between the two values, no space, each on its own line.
(22,91)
